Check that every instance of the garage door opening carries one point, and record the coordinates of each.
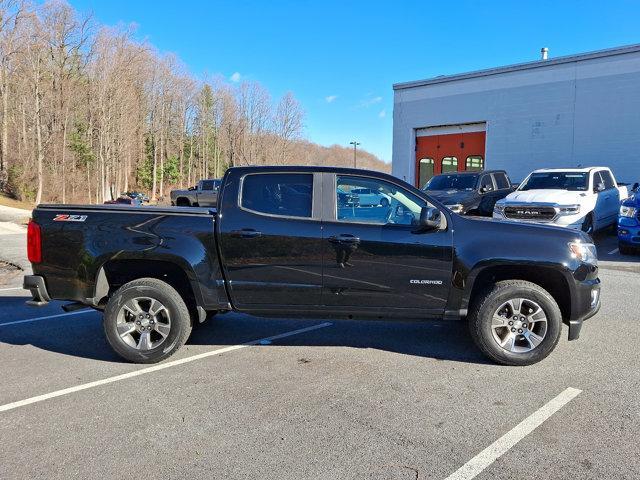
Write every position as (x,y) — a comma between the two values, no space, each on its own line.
(451,148)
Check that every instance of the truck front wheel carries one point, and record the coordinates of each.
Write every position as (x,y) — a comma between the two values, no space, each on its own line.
(515,322)
(146,321)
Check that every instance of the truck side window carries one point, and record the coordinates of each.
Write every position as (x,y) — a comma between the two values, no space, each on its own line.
(208,185)
(284,194)
(501,181)
(597,178)
(486,183)
(607,179)
(368,200)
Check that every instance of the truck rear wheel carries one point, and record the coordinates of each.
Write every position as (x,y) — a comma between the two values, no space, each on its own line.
(146,321)
(515,323)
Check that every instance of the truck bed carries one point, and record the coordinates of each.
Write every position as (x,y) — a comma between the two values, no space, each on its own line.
(83,244)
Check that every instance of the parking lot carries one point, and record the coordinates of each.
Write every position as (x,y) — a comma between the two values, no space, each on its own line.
(250,397)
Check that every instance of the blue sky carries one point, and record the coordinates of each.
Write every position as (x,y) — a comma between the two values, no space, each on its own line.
(341,58)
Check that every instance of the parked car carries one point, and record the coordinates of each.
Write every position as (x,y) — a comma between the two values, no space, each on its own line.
(470,192)
(346,199)
(586,199)
(368,197)
(261,254)
(204,194)
(629,225)
(143,197)
(132,202)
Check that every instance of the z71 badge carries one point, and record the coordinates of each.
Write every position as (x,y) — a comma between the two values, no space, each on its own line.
(64,217)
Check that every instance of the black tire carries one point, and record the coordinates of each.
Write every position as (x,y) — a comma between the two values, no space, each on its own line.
(180,325)
(183,202)
(625,249)
(384,202)
(587,224)
(484,306)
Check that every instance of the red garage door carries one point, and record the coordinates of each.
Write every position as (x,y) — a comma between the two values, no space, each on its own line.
(439,152)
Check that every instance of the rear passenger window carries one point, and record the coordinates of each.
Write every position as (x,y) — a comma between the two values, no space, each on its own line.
(501,181)
(284,194)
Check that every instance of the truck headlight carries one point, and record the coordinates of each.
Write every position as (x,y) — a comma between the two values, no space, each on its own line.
(455,208)
(585,252)
(498,207)
(568,209)
(628,211)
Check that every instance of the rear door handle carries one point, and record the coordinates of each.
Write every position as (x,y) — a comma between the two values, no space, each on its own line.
(246,233)
(344,238)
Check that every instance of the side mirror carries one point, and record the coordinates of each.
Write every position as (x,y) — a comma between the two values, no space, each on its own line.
(599,187)
(429,219)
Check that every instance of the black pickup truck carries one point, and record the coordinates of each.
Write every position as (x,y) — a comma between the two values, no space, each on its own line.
(470,193)
(282,244)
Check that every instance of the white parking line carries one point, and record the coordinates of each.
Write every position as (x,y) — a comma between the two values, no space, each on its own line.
(612,252)
(501,446)
(9,289)
(155,368)
(37,319)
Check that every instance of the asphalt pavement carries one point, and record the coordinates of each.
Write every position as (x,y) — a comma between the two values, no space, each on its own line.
(288,399)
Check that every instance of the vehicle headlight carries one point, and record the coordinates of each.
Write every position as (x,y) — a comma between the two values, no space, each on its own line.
(568,209)
(456,208)
(585,252)
(498,207)
(628,211)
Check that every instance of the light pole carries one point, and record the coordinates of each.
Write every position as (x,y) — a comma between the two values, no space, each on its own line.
(355,147)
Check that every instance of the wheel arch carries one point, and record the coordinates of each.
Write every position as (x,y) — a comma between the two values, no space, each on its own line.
(549,278)
(116,272)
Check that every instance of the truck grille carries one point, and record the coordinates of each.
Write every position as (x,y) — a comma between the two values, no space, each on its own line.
(542,214)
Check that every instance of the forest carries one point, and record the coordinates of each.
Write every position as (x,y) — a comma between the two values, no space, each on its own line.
(88,111)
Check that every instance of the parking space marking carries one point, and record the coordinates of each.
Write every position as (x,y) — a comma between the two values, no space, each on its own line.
(613,252)
(501,446)
(9,289)
(38,319)
(155,368)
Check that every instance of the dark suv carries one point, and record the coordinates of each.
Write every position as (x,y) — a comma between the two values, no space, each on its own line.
(470,193)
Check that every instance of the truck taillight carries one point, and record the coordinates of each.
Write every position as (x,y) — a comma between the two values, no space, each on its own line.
(34,242)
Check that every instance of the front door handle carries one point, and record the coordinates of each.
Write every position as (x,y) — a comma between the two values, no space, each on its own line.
(246,233)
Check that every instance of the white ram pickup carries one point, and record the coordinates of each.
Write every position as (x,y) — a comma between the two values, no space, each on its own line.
(582,198)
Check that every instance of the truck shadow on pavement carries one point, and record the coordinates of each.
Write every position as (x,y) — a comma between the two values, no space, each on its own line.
(81,335)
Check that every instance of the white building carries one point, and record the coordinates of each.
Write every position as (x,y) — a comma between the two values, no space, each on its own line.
(560,112)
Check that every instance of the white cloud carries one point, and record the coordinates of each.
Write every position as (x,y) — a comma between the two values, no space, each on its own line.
(383,113)
(235,77)
(367,102)
(331,98)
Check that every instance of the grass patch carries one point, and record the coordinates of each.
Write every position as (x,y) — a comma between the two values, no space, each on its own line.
(10,202)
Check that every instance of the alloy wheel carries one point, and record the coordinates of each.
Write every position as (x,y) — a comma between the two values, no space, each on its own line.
(519,325)
(143,323)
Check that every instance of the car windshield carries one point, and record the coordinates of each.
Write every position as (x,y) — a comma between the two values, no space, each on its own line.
(452,182)
(573,181)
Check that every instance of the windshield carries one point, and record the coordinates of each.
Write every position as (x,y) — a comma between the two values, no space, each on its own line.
(451,182)
(573,181)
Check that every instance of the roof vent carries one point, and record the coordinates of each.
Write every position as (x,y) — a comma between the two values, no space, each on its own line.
(544,51)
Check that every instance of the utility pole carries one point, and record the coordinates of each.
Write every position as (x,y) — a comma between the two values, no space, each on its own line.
(355,147)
